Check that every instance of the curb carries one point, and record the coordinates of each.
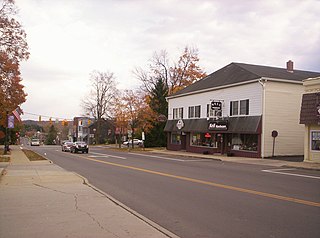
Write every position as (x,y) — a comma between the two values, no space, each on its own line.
(190,156)
(136,214)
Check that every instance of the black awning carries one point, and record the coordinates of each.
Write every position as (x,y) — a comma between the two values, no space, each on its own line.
(248,124)
(245,125)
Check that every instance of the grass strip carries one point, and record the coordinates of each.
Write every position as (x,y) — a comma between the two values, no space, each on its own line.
(33,156)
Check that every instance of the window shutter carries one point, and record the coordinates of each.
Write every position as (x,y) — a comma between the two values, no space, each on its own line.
(247,107)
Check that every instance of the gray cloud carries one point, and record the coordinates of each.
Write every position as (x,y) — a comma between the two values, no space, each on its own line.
(69,39)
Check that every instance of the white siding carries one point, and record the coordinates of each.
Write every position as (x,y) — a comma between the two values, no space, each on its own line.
(282,113)
(252,91)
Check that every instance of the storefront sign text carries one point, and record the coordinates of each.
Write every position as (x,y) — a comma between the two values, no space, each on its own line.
(218,126)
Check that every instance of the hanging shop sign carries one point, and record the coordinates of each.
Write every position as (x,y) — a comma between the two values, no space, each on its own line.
(318,110)
(180,124)
(216,105)
(218,126)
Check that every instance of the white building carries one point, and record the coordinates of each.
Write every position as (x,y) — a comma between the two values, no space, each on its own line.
(256,112)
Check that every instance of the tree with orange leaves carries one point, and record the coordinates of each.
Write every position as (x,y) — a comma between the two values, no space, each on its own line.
(176,75)
(138,114)
(13,49)
(186,71)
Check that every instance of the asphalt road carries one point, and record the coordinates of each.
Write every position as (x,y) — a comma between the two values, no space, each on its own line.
(203,198)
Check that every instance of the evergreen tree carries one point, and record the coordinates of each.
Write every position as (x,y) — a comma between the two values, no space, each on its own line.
(156,136)
(158,102)
(52,135)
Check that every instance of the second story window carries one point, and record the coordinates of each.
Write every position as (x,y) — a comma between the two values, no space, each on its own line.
(234,108)
(194,112)
(244,107)
(239,107)
(178,113)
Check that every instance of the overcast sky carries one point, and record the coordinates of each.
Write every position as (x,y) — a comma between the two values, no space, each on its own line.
(68,39)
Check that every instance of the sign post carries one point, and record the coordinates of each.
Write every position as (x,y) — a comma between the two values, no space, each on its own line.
(274,134)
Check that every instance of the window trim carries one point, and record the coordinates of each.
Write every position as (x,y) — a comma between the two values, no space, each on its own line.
(232,103)
(310,144)
(192,112)
(239,111)
(178,114)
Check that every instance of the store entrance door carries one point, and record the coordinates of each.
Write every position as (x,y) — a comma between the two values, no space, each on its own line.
(183,142)
(224,143)
(227,143)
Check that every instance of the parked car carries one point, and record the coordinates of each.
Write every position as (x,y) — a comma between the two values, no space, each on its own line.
(64,141)
(66,146)
(35,142)
(135,142)
(79,146)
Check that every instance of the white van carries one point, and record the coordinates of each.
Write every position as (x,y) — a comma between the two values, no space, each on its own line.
(35,142)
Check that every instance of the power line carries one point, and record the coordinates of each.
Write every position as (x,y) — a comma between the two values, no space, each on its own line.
(45,116)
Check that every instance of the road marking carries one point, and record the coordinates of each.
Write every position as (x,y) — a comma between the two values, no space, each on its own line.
(166,158)
(98,156)
(105,155)
(276,171)
(233,188)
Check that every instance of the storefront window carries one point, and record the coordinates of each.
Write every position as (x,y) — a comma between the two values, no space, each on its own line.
(247,142)
(204,139)
(315,140)
(175,139)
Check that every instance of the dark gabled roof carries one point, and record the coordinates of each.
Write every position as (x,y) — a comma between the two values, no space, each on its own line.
(239,73)
(309,109)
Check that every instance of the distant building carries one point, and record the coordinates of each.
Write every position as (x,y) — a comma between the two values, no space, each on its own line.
(310,117)
(107,132)
(81,130)
(242,110)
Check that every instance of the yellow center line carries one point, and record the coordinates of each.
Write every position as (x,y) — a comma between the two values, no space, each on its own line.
(243,190)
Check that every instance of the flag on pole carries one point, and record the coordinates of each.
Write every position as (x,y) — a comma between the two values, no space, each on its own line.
(17,112)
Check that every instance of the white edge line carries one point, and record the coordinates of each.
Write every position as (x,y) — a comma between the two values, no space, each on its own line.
(297,175)
(95,156)
(165,158)
(267,170)
(106,155)
(154,156)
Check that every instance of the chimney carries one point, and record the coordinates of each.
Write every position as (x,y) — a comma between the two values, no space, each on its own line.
(290,66)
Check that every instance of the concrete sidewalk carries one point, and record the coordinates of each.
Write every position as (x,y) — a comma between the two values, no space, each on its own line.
(40,199)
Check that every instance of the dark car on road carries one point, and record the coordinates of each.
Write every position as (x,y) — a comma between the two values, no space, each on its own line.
(79,146)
